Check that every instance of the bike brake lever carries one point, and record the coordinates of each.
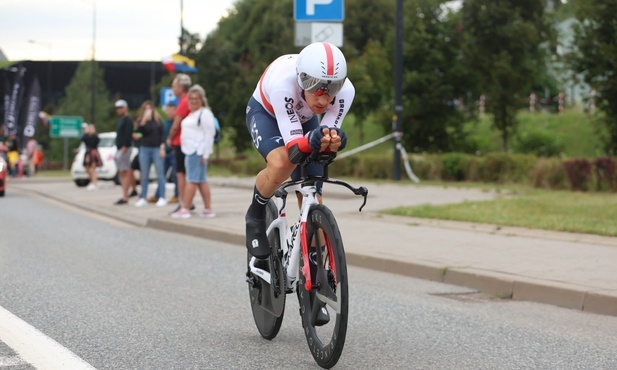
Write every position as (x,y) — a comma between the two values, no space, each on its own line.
(361,191)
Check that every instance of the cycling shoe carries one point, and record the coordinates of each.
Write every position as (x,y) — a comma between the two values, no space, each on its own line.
(256,240)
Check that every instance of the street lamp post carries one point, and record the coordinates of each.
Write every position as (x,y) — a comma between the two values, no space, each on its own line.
(93,82)
(397,119)
(181,27)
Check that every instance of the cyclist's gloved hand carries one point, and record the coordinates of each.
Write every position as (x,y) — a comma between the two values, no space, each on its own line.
(338,139)
(316,139)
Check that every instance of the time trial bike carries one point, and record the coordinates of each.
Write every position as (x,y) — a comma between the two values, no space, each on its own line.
(307,259)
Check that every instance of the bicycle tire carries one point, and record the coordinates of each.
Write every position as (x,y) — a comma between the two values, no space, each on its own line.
(268,300)
(325,342)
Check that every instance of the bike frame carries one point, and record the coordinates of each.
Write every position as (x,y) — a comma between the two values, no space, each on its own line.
(291,245)
(291,251)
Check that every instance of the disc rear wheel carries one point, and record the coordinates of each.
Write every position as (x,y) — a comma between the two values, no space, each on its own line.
(268,297)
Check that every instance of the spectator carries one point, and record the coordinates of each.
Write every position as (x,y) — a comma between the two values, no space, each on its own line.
(135,161)
(92,158)
(170,156)
(151,151)
(180,86)
(124,131)
(12,156)
(39,157)
(197,141)
(30,149)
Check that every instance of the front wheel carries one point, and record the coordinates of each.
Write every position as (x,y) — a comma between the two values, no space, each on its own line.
(328,270)
(268,297)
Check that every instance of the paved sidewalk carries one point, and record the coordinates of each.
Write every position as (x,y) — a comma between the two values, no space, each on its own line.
(564,269)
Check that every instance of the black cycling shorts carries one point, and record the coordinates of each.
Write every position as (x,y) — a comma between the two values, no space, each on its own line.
(266,136)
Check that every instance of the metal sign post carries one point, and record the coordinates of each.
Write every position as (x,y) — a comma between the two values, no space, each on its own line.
(65,127)
(319,21)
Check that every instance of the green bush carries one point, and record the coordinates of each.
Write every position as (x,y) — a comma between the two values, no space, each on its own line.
(473,171)
(523,168)
(549,173)
(497,167)
(538,142)
(606,173)
(427,167)
(455,167)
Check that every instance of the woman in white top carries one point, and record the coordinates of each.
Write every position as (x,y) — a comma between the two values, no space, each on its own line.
(196,141)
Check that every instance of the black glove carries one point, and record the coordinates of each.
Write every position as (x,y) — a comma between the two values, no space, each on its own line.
(343,137)
(315,139)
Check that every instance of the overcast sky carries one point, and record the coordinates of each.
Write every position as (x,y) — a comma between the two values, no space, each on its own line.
(125,29)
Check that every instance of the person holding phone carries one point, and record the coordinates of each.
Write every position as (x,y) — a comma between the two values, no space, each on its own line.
(149,131)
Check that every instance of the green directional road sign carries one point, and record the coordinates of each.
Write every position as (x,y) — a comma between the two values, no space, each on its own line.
(66,126)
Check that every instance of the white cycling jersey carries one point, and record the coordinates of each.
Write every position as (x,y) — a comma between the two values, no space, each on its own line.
(279,93)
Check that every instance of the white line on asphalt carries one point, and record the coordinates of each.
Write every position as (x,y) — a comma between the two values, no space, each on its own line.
(35,347)
(11,361)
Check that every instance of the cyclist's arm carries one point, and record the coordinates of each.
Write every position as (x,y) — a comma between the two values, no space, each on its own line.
(289,124)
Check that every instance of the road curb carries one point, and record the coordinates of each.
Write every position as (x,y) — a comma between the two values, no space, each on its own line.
(500,285)
(495,283)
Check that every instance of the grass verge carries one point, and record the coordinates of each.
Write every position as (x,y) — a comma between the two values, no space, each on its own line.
(589,213)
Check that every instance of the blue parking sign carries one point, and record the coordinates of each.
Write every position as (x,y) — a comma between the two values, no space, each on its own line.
(167,96)
(319,10)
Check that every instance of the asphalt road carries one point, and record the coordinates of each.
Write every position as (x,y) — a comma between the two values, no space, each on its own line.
(125,297)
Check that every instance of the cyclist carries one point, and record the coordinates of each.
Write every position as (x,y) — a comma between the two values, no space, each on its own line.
(283,118)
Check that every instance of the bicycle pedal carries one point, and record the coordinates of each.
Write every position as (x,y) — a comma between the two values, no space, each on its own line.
(250,279)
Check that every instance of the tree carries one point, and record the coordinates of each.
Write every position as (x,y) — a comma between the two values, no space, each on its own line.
(78,98)
(235,55)
(595,58)
(506,42)
(372,79)
(434,80)
(191,43)
(257,31)
(365,22)
(78,102)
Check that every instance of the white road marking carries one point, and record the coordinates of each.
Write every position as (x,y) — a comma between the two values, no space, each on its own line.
(11,361)
(34,347)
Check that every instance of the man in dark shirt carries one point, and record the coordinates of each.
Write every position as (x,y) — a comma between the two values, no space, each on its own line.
(124,132)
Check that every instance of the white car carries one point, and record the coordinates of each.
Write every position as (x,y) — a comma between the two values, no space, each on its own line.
(107,150)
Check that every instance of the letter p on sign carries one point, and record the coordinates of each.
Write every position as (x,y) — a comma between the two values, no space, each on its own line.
(310,5)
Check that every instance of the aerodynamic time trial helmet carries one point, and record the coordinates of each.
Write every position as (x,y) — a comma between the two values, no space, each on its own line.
(321,69)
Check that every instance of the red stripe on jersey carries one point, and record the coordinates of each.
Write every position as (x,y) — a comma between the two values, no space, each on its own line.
(265,101)
(329,59)
(302,143)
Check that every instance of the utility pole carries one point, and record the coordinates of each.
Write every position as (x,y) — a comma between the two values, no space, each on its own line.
(397,118)
(181,27)
(93,82)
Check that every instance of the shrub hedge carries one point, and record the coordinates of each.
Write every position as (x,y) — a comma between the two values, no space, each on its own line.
(579,174)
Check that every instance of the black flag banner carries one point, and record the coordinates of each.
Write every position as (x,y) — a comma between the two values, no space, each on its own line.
(33,108)
(7,101)
(15,102)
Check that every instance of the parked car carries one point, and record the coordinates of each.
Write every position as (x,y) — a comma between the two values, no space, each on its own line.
(109,171)
(4,169)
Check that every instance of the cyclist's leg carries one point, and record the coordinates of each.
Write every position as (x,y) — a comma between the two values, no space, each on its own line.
(269,143)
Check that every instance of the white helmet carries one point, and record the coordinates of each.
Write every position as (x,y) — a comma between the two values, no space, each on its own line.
(321,69)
